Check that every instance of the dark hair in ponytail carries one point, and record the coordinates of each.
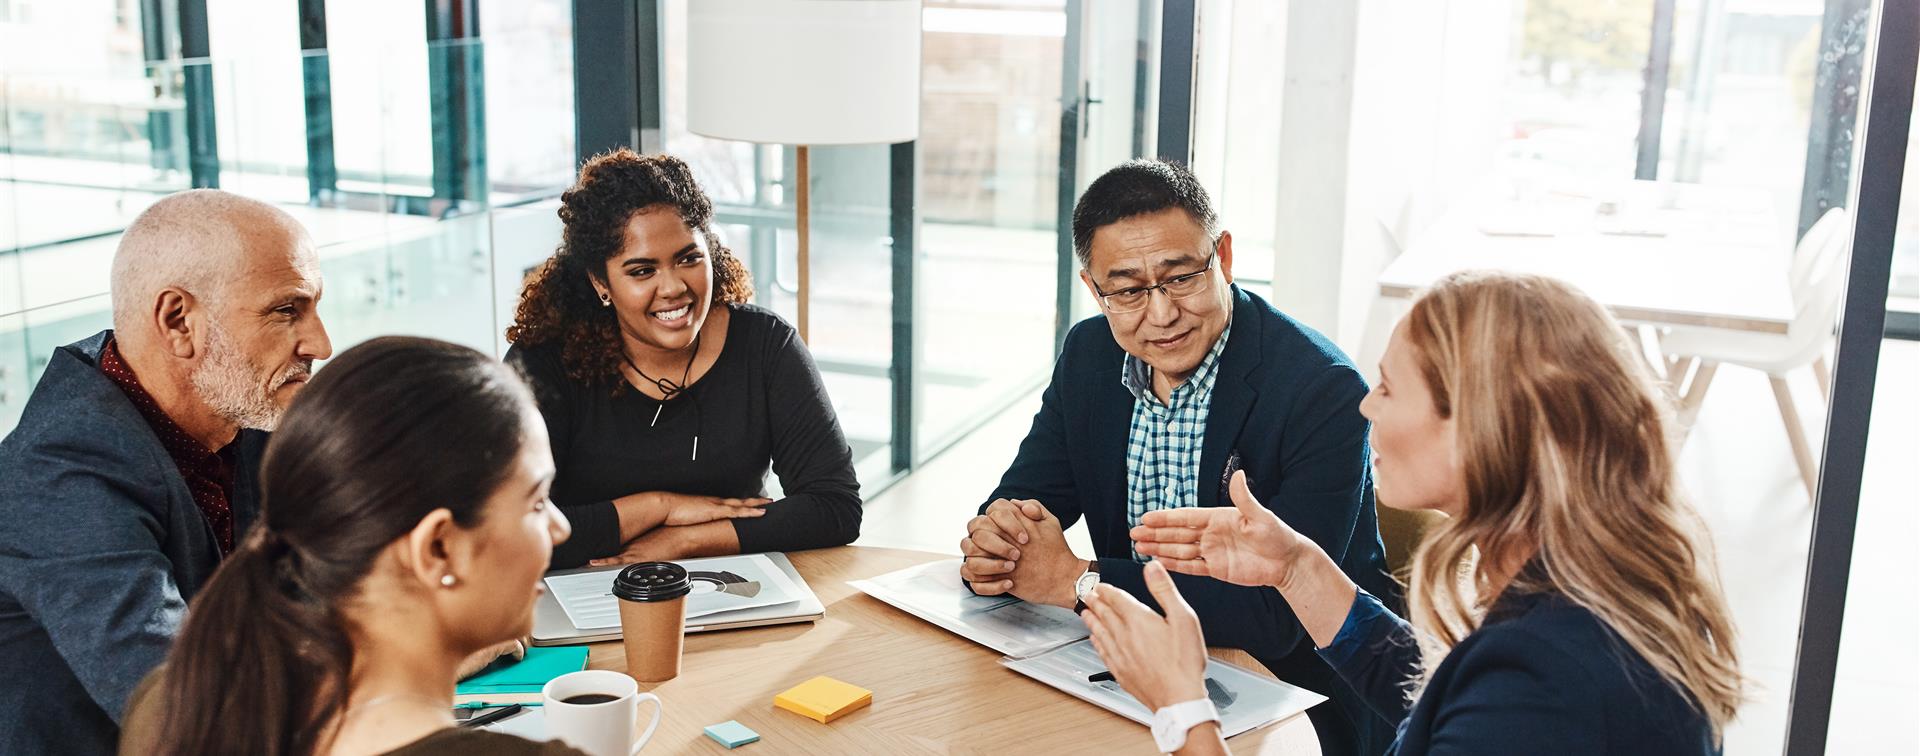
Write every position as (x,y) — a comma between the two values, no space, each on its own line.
(390,431)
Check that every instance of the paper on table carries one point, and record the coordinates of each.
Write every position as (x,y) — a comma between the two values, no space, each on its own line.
(933,592)
(1245,700)
(720,584)
(530,723)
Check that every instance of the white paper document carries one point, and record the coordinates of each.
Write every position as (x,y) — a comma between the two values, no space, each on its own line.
(530,723)
(933,592)
(720,584)
(1245,700)
(1049,644)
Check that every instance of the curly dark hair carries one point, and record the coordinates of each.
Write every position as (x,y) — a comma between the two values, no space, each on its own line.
(559,304)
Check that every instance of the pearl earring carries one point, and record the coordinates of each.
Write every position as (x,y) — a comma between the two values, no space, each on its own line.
(606,301)
(447,580)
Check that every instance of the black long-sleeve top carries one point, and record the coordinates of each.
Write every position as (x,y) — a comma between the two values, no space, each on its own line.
(761,405)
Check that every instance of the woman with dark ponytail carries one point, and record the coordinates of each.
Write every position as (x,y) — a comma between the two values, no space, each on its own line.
(405,528)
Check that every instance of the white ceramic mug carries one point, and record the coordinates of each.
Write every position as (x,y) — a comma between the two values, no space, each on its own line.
(600,729)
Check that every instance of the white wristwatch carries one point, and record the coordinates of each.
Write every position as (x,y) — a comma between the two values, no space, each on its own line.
(1171,723)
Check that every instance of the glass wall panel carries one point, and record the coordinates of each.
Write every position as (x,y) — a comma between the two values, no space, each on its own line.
(13,347)
(523,237)
(418,277)
(529,93)
(259,102)
(105,138)
(10,293)
(14,383)
(1236,148)
(48,328)
(1121,65)
(989,187)
(382,112)
(83,109)
(1736,65)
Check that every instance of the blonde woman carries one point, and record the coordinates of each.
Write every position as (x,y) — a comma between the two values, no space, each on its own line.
(1567,606)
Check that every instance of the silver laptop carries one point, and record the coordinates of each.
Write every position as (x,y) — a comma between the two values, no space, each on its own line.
(551,627)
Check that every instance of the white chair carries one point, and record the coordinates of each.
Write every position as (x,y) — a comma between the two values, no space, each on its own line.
(1817,277)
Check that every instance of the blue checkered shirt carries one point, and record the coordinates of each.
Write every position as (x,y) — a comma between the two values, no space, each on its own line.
(1164,440)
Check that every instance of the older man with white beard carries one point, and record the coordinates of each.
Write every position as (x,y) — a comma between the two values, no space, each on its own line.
(132,470)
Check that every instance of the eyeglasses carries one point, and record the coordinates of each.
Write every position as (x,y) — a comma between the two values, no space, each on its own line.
(1178,287)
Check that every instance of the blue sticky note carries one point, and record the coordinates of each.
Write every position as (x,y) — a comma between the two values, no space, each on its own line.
(732,734)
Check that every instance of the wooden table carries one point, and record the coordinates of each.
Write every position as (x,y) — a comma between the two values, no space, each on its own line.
(933,692)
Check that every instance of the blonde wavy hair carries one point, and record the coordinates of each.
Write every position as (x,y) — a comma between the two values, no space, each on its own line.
(1563,440)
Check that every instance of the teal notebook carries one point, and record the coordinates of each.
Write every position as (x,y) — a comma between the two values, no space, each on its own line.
(528,675)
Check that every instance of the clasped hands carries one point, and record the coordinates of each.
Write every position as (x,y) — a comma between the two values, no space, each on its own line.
(1017,547)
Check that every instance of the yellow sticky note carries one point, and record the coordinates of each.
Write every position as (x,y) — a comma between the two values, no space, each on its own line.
(823,699)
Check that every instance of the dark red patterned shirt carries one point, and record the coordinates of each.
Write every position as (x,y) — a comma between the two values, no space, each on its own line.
(209,475)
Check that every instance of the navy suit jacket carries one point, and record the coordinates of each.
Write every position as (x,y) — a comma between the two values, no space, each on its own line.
(101,548)
(1285,408)
(1541,675)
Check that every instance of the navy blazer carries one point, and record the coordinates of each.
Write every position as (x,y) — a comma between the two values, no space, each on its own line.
(101,548)
(1541,675)
(1285,408)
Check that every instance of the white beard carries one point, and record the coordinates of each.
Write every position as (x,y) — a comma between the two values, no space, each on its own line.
(232,386)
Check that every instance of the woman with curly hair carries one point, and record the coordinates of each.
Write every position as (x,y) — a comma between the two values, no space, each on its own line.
(666,395)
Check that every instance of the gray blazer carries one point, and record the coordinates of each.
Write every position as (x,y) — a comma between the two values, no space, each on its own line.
(101,547)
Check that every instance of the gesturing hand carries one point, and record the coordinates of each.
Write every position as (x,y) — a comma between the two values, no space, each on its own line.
(1160,660)
(1245,544)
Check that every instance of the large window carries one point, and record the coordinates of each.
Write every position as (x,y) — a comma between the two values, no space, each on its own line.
(1660,162)
(352,120)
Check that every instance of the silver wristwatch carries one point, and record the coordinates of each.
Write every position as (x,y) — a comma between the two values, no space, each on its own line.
(1083,586)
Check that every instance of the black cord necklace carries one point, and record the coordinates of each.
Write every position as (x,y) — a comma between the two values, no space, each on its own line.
(669,389)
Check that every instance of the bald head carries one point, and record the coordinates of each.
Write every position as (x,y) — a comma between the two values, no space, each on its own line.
(201,242)
(215,302)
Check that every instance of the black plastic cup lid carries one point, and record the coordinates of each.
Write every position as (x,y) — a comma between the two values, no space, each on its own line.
(652,581)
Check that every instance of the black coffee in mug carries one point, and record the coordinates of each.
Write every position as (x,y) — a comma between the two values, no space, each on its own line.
(588,699)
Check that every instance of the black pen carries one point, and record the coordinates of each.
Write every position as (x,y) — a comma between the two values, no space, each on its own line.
(1100,677)
(493,716)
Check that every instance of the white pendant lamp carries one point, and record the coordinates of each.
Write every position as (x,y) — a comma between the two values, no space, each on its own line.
(804,72)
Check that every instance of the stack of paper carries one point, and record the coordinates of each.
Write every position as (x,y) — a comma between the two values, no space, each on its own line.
(521,682)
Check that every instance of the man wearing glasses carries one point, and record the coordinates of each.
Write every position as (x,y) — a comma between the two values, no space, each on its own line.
(1181,381)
